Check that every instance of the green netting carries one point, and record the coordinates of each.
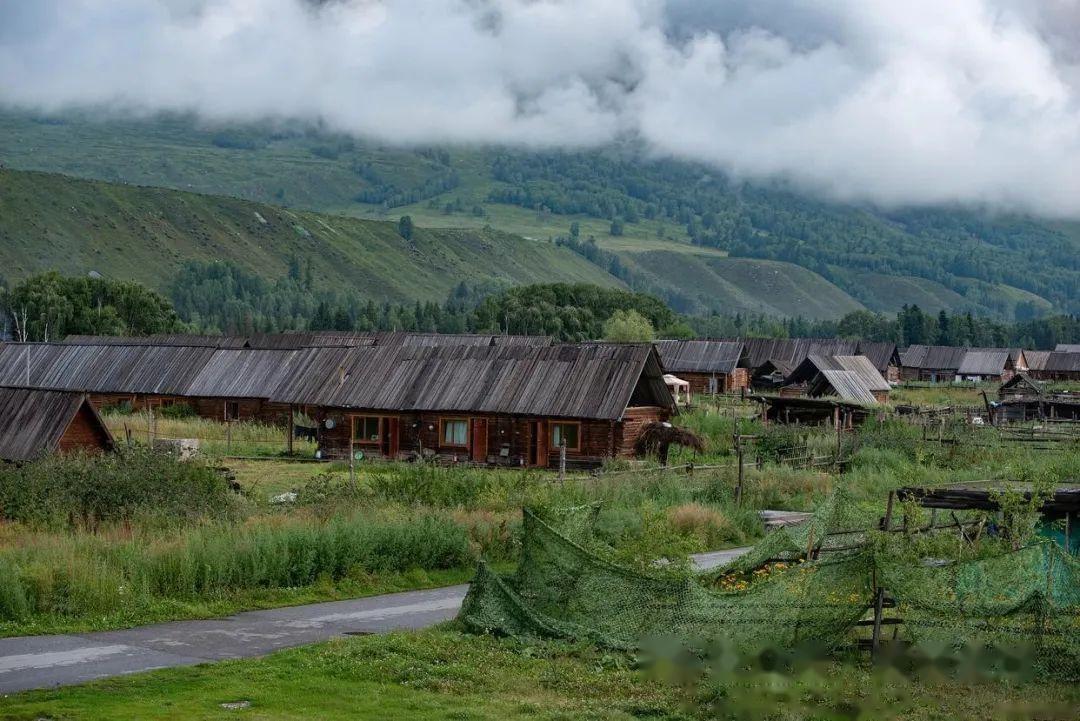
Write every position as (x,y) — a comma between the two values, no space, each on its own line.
(829,527)
(1029,598)
(563,590)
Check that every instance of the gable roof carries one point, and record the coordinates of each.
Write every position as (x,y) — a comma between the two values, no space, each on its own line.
(882,354)
(594,381)
(32,421)
(792,350)
(1068,347)
(864,368)
(1022,379)
(699,356)
(1058,362)
(984,362)
(933,357)
(845,384)
(1036,359)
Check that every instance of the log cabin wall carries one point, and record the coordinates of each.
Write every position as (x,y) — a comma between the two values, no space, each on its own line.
(243,409)
(701,383)
(508,441)
(85,434)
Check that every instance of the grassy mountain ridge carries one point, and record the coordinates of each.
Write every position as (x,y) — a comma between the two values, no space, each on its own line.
(76,226)
(1005,266)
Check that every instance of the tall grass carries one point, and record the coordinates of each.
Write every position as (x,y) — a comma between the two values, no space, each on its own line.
(84,574)
(216,438)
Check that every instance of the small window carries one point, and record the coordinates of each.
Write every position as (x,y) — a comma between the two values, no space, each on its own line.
(455,432)
(366,429)
(232,410)
(568,432)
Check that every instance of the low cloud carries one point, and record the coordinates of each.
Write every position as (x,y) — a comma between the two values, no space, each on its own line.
(920,102)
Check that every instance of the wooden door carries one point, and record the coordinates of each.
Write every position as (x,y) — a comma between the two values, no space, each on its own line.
(393,435)
(540,444)
(479,440)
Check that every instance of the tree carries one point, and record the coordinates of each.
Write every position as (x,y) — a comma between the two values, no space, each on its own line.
(405,227)
(49,306)
(617,226)
(628,326)
(575,230)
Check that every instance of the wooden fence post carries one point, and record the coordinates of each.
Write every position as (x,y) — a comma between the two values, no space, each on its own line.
(291,431)
(562,460)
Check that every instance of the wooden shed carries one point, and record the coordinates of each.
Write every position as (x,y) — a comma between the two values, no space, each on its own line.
(1059,366)
(502,405)
(36,423)
(710,366)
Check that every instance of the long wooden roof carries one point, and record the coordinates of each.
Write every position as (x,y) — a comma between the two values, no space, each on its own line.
(581,381)
(596,381)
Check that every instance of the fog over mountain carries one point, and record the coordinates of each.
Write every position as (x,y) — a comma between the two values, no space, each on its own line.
(916,102)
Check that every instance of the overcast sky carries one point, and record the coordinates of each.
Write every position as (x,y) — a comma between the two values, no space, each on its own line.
(890,101)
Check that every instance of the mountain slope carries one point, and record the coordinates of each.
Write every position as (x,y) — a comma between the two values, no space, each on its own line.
(121,231)
(1004,266)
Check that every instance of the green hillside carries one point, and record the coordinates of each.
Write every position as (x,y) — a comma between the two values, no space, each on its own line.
(745,285)
(1003,266)
(122,231)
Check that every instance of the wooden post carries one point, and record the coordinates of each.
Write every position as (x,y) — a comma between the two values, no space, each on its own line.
(352,462)
(562,460)
(739,453)
(150,425)
(886,523)
(941,432)
(879,603)
(839,441)
(228,438)
(291,430)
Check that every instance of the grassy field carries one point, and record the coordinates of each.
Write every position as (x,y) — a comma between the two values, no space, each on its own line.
(401,526)
(445,674)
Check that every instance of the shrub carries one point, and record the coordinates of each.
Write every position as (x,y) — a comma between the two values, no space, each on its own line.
(86,490)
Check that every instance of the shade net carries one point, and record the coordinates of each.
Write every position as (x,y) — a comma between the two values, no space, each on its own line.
(564,588)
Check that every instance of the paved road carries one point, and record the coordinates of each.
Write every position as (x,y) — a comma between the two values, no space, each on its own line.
(32,662)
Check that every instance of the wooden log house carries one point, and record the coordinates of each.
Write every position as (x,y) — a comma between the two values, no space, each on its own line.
(710,366)
(515,405)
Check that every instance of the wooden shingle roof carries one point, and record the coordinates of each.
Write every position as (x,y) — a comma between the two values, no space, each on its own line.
(699,356)
(142,369)
(984,362)
(33,421)
(595,381)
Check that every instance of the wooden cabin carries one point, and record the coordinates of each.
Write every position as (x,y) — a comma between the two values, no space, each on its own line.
(512,405)
(980,366)
(812,411)
(933,363)
(1021,386)
(710,366)
(37,423)
(770,375)
(1059,366)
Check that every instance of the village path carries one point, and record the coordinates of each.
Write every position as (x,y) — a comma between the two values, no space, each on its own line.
(35,662)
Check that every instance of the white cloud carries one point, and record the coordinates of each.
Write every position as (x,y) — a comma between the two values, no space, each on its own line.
(971,101)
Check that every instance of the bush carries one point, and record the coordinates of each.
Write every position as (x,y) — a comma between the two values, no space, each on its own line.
(85,490)
(177,410)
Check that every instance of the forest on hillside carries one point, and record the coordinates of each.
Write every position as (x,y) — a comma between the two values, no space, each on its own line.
(224,298)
